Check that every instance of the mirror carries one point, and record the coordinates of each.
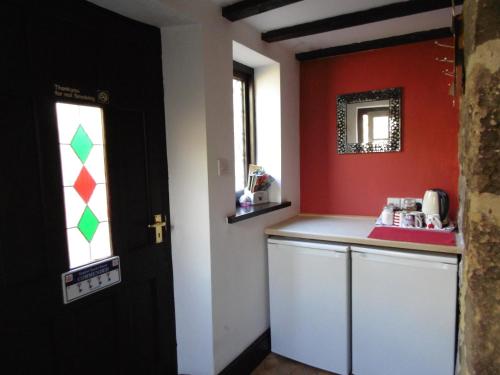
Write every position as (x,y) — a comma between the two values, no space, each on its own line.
(369,121)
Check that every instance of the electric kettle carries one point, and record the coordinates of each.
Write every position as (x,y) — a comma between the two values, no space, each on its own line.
(436,201)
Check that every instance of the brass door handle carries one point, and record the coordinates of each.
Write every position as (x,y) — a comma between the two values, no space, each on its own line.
(158,226)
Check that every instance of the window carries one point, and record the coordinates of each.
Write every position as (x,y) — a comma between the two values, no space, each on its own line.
(81,144)
(243,122)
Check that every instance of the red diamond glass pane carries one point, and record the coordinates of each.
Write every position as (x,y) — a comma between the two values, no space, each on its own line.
(85,184)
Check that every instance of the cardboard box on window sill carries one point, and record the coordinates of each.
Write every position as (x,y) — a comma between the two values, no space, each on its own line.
(257,197)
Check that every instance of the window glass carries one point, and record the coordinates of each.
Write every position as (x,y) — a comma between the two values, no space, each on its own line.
(81,145)
(240,159)
(243,120)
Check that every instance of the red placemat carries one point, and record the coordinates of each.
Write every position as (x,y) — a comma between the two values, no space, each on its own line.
(411,235)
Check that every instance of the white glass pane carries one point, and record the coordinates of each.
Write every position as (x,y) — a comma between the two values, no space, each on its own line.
(100,246)
(80,248)
(239,135)
(95,164)
(67,121)
(98,202)
(91,121)
(74,206)
(70,165)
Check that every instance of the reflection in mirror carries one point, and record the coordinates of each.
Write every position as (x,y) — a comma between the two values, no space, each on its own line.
(369,121)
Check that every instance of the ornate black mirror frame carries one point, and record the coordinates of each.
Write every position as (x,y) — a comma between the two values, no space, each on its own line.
(393,144)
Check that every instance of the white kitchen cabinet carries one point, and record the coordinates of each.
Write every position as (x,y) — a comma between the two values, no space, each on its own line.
(309,303)
(403,312)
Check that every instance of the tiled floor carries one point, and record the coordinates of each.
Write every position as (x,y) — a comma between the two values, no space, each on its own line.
(274,364)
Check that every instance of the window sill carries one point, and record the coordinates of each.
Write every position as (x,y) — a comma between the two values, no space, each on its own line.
(245,213)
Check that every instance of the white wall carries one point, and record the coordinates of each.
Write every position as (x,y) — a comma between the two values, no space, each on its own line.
(188,185)
(238,252)
(220,270)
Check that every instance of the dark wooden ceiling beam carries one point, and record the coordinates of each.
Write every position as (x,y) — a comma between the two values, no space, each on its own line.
(248,8)
(374,44)
(405,8)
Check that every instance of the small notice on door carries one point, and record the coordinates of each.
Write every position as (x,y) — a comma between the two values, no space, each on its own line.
(66,92)
(90,278)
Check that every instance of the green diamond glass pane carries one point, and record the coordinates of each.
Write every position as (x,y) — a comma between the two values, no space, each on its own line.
(88,224)
(81,144)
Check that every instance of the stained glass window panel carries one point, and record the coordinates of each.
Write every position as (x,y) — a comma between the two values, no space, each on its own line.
(79,250)
(93,127)
(84,184)
(95,165)
(67,120)
(81,143)
(98,203)
(100,242)
(71,165)
(88,224)
(74,206)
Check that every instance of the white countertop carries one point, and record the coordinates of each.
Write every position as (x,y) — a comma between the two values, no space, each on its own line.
(347,229)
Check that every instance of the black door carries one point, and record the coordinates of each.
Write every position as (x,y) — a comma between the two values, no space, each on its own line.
(127,328)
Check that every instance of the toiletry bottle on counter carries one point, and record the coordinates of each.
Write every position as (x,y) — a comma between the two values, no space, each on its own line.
(388,215)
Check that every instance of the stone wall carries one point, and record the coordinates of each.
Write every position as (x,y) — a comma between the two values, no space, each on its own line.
(479,335)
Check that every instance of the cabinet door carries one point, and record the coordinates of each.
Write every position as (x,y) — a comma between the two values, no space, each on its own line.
(403,314)
(309,305)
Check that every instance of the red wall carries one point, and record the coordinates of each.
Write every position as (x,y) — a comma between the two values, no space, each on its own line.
(358,184)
